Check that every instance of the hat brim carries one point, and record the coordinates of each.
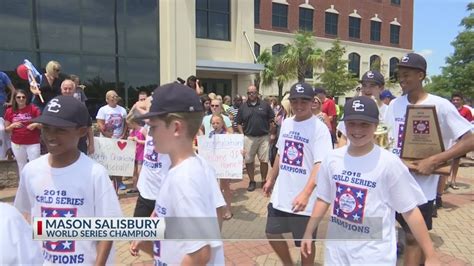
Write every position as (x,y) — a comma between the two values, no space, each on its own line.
(360,118)
(149,115)
(371,80)
(412,67)
(300,97)
(54,121)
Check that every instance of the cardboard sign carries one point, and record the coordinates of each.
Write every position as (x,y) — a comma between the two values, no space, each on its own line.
(116,155)
(422,136)
(224,153)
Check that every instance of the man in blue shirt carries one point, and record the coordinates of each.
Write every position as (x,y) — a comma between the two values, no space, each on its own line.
(5,82)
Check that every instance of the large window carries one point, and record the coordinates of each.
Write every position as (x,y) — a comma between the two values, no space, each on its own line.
(306,19)
(354,27)
(395,2)
(375,62)
(109,44)
(279,15)
(375,29)
(393,68)
(394,34)
(256,10)
(277,49)
(217,86)
(213,19)
(256,48)
(331,23)
(354,64)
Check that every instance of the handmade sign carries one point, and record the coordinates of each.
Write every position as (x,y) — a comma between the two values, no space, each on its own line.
(422,136)
(224,153)
(116,155)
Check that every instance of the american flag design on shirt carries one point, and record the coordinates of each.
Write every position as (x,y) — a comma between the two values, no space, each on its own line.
(421,127)
(349,203)
(59,246)
(293,153)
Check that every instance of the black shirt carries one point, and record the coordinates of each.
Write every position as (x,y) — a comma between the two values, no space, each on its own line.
(255,119)
(48,92)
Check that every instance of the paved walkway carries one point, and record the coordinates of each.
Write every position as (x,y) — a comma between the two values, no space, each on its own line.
(453,232)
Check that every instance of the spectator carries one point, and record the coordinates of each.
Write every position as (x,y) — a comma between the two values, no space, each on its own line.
(193,83)
(233,110)
(329,107)
(386,96)
(316,108)
(255,121)
(111,122)
(226,102)
(86,143)
(458,101)
(5,142)
(216,108)
(5,82)
(25,135)
(50,85)
(137,133)
(79,94)
(206,104)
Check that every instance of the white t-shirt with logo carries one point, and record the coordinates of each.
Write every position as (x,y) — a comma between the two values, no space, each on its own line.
(300,145)
(16,242)
(114,119)
(82,189)
(364,193)
(154,169)
(189,191)
(452,127)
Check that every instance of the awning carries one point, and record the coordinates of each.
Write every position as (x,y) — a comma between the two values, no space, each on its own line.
(228,67)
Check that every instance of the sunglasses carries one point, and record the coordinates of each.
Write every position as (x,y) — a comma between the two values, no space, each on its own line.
(20,97)
(215,105)
(252,93)
(57,70)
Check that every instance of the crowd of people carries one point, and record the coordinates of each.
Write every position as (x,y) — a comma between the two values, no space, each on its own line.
(316,164)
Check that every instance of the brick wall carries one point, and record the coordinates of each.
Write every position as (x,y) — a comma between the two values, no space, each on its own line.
(365,8)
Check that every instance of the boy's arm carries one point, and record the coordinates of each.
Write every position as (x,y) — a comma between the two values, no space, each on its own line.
(319,210)
(300,202)
(103,250)
(463,146)
(199,257)
(420,232)
(272,175)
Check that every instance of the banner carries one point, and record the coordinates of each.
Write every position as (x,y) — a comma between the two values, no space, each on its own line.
(116,155)
(224,153)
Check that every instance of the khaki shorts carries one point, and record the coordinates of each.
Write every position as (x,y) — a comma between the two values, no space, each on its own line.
(256,146)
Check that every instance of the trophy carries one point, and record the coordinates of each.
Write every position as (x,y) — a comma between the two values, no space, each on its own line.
(422,137)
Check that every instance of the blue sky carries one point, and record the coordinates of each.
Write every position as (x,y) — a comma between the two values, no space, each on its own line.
(436,24)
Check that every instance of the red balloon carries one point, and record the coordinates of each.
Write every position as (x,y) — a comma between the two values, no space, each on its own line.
(22,71)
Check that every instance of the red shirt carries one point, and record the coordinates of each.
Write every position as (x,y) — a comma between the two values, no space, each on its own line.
(466,113)
(23,135)
(329,107)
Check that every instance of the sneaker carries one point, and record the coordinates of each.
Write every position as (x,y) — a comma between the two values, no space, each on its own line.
(435,212)
(439,202)
(252,186)
(122,186)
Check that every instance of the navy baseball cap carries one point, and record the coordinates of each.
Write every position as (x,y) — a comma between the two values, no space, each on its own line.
(173,98)
(301,91)
(386,94)
(373,76)
(413,60)
(64,112)
(361,108)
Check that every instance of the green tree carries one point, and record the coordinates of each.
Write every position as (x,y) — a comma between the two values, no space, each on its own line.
(272,71)
(301,56)
(336,77)
(458,74)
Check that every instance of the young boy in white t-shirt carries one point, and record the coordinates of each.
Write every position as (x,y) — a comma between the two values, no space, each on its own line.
(303,142)
(372,84)
(364,185)
(187,198)
(67,183)
(411,73)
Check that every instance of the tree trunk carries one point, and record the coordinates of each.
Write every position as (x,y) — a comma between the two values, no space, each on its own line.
(280,91)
